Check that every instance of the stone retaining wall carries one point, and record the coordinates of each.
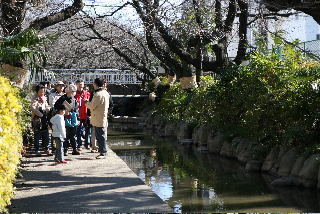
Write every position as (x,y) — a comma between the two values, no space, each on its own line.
(289,167)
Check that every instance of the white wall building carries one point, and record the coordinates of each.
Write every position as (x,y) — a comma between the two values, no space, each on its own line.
(301,27)
(296,27)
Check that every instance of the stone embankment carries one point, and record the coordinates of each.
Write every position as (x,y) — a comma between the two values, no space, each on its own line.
(289,166)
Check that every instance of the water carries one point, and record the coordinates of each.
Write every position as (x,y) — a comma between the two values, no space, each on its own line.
(191,181)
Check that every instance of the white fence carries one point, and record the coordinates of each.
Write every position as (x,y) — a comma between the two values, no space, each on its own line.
(112,76)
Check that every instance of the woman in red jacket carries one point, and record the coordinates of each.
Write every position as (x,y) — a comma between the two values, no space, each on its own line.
(84,126)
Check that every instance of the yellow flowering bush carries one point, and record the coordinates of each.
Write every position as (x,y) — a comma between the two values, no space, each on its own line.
(10,140)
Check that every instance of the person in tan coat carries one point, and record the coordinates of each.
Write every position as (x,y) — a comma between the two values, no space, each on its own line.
(40,119)
(99,115)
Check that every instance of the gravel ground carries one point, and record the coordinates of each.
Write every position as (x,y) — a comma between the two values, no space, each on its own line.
(82,185)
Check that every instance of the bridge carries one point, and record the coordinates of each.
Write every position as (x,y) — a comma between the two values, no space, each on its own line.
(112,76)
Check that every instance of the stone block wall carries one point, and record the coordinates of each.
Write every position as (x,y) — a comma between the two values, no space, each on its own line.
(287,164)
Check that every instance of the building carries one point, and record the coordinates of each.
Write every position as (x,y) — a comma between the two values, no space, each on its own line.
(296,27)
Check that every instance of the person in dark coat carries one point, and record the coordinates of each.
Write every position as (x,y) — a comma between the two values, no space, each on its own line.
(71,118)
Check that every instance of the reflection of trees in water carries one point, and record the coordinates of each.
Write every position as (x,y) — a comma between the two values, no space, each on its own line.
(306,198)
(223,174)
(152,170)
(208,176)
(188,189)
(202,182)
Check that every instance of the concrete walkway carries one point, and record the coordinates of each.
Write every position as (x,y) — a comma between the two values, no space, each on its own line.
(83,185)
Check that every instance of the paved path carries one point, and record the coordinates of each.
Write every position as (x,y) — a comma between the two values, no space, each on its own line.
(83,185)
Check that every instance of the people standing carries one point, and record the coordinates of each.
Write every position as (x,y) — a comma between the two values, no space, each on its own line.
(99,115)
(84,126)
(40,112)
(93,135)
(59,132)
(56,93)
(93,141)
(71,118)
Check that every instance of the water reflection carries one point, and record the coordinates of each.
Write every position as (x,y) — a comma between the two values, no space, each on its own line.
(190,181)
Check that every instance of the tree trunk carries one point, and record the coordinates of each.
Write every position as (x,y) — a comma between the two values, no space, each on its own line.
(221,52)
(199,71)
(14,74)
(243,27)
(57,17)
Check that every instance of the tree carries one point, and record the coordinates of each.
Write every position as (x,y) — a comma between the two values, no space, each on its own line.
(310,7)
(178,54)
(22,46)
(19,45)
(194,40)
(98,43)
(13,14)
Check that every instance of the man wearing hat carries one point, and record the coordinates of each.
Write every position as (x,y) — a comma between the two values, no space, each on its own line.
(53,96)
(56,94)
(71,118)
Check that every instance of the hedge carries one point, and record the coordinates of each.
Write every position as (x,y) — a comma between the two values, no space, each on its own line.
(10,140)
(271,100)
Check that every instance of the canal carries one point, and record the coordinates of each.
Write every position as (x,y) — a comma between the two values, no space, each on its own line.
(193,181)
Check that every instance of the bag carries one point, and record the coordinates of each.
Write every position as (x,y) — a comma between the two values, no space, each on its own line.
(40,123)
(45,121)
(36,123)
(71,120)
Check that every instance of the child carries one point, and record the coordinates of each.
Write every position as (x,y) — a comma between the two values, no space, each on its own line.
(59,132)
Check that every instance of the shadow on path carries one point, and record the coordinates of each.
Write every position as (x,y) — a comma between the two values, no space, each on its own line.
(83,186)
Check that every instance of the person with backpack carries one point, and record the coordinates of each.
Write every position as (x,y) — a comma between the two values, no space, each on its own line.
(40,124)
(71,118)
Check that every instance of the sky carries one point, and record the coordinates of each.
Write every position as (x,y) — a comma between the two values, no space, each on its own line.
(126,15)
(103,7)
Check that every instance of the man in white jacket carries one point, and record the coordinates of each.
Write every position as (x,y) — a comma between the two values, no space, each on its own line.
(59,132)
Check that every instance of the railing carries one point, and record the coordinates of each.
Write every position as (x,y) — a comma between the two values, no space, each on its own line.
(112,76)
(312,47)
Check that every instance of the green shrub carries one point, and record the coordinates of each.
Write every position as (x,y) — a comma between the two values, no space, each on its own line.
(10,140)
(270,100)
(172,103)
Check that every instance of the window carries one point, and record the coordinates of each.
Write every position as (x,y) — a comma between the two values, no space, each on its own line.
(318,36)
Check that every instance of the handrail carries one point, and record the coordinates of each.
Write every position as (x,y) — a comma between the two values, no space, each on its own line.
(112,76)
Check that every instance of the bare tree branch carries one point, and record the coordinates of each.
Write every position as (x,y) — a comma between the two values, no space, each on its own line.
(57,17)
(311,9)
(115,11)
(121,53)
